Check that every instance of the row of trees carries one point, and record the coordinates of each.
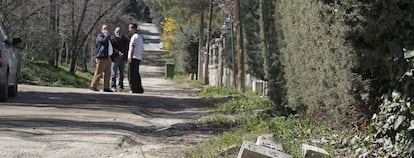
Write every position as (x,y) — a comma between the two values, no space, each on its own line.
(329,59)
(63,32)
(339,57)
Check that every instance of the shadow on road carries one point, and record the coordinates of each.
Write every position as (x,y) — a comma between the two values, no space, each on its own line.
(181,129)
(145,106)
(152,58)
(115,102)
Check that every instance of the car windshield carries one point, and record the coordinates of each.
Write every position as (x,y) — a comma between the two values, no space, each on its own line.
(3,33)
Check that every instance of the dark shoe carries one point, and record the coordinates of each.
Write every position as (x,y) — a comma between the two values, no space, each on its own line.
(138,92)
(93,89)
(108,90)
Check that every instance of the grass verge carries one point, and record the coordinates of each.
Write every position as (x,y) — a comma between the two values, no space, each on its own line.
(182,78)
(42,74)
(256,116)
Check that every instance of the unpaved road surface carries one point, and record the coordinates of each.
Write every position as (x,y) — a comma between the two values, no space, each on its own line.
(70,122)
(73,122)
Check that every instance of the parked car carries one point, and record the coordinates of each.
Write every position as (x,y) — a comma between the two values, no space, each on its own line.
(161,45)
(9,64)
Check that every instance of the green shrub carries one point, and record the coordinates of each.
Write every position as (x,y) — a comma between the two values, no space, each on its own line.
(41,73)
(214,92)
(216,118)
(256,116)
(317,60)
(292,132)
(253,42)
(391,131)
(247,102)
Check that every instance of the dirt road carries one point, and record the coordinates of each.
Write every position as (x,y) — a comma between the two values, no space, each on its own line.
(71,122)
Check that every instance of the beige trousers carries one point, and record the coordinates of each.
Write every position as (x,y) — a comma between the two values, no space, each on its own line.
(103,67)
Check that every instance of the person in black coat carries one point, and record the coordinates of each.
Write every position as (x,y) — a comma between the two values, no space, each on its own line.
(120,43)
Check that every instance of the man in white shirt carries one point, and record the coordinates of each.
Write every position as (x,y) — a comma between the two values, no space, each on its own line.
(103,60)
(136,46)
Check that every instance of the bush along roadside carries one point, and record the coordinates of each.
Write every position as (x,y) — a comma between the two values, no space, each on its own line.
(391,130)
(390,133)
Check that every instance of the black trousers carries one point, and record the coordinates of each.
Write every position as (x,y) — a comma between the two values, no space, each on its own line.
(134,77)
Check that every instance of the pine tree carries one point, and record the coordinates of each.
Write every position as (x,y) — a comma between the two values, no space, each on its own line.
(272,40)
(252,39)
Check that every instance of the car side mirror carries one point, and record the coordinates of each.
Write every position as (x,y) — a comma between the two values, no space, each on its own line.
(17,42)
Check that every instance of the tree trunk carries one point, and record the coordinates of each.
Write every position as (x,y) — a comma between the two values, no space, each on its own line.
(210,12)
(67,55)
(239,45)
(85,58)
(57,56)
(73,61)
(200,47)
(52,28)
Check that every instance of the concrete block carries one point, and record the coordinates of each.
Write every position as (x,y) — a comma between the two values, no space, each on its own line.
(232,150)
(268,142)
(251,150)
(260,87)
(314,152)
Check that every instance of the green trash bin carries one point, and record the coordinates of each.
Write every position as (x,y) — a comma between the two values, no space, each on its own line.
(169,70)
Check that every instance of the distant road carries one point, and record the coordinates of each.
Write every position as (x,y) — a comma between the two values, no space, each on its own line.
(151,36)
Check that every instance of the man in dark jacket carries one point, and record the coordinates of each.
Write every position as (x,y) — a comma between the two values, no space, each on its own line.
(120,43)
(103,60)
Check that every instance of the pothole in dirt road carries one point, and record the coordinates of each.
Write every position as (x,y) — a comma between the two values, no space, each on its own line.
(128,142)
(182,129)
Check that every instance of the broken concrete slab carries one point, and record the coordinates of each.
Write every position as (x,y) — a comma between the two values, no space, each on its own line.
(268,142)
(251,150)
(310,151)
(232,150)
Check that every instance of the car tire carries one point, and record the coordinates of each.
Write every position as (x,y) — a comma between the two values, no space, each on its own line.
(13,90)
(4,92)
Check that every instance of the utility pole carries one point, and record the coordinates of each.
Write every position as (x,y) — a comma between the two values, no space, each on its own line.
(239,46)
(233,55)
(210,14)
(200,48)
